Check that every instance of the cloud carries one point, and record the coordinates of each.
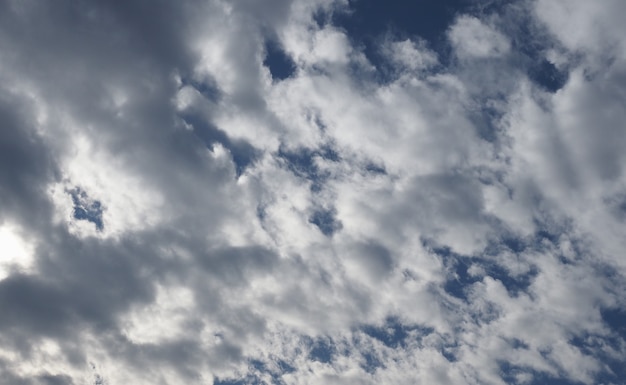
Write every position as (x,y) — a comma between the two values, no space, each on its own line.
(472,38)
(396,209)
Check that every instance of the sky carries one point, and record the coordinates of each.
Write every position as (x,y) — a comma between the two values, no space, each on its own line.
(291,192)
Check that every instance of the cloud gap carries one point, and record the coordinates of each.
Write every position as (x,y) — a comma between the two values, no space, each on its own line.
(279,63)
(86,208)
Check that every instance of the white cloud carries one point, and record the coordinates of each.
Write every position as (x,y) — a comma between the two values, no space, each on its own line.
(335,226)
(410,55)
(17,251)
(474,39)
(592,28)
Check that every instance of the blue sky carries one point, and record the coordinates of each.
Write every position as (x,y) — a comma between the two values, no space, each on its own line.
(313,192)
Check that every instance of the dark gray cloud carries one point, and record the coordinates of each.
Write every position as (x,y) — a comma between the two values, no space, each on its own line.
(171,212)
(26,164)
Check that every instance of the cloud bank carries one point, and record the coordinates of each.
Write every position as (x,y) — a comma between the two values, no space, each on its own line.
(215,192)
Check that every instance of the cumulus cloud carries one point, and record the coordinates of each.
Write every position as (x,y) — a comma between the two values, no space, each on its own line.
(404,210)
(473,38)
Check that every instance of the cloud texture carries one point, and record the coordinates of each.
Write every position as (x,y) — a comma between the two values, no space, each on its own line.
(176,209)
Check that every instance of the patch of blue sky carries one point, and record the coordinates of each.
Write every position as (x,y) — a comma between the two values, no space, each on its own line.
(486,120)
(394,334)
(616,319)
(302,162)
(547,75)
(326,221)
(600,346)
(322,350)
(366,22)
(371,362)
(243,153)
(86,209)
(512,374)
(274,371)
(530,42)
(374,168)
(258,372)
(207,88)
(459,283)
(592,345)
(279,63)
(284,367)
(460,279)
(248,380)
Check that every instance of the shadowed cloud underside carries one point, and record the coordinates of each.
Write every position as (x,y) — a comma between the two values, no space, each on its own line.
(298,192)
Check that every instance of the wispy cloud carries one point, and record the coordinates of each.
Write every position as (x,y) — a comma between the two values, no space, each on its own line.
(263,193)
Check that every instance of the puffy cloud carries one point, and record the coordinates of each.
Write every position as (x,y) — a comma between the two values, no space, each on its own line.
(173,213)
(472,38)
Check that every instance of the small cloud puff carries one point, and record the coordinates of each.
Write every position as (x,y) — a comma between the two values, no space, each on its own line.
(471,38)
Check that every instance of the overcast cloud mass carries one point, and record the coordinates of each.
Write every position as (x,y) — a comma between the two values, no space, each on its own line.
(292,192)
